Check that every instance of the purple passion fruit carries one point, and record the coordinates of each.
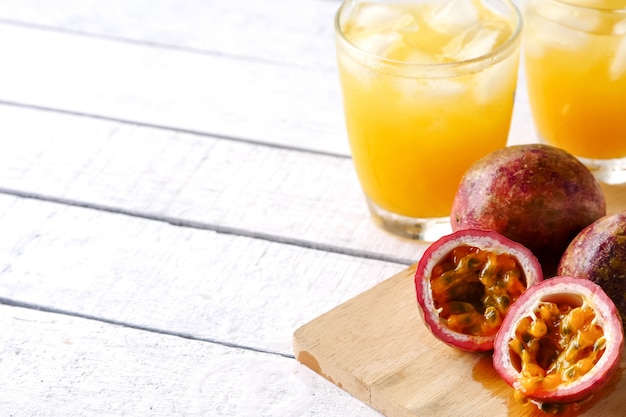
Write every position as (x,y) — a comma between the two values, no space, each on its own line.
(560,342)
(598,253)
(537,195)
(465,283)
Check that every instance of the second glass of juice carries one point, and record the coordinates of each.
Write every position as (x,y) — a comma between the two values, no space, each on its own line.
(575,60)
(428,88)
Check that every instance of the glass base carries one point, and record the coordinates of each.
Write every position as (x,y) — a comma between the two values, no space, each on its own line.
(426,229)
(608,171)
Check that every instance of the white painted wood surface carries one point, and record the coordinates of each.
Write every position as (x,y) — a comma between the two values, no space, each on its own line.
(176,198)
(59,365)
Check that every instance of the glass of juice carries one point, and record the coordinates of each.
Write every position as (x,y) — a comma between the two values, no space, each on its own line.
(428,88)
(575,62)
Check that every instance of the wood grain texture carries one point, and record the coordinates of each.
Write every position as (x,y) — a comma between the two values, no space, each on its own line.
(277,194)
(377,348)
(180,280)
(282,105)
(175,185)
(294,33)
(54,365)
(224,185)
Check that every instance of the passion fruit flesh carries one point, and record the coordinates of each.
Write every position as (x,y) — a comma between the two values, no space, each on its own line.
(465,283)
(556,345)
(561,343)
(472,289)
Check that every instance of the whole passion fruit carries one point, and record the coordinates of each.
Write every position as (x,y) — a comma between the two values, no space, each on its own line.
(538,195)
(465,283)
(560,342)
(598,253)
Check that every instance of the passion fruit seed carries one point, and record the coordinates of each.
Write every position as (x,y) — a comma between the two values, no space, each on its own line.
(556,345)
(466,282)
(560,342)
(472,289)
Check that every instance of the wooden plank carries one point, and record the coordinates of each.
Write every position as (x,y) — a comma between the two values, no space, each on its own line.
(372,323)
(236,32)
(181,280)
(282,105)
(311,200)
(55,365)
(377,348)
(242,98)
(295,33)
(183,176)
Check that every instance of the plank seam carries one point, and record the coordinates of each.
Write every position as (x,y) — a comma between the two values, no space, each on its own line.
(175,129)
(211,227)
(20,304)
(158,45)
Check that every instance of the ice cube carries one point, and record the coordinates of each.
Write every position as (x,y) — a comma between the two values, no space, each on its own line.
(495,79)
(409,89)
(380,17)
(352,67)
(620,27)
(541,35)
(582,21)
(476,41)
(379,44)
(380,29)
(415,56)
(427,92)
(617,69)
(446,88)
(452,17)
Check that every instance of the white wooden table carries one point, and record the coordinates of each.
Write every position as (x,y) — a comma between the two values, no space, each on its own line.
(176,198)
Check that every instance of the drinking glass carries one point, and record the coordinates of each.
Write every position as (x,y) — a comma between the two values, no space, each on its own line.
(428,88)
(575,62)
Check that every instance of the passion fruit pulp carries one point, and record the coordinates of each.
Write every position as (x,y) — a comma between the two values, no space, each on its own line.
(465,283)
(560,342)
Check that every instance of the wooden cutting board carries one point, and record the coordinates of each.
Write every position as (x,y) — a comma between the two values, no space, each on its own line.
(377,348)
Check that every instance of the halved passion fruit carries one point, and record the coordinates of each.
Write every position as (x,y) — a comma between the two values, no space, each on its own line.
(560,342)
(465,283)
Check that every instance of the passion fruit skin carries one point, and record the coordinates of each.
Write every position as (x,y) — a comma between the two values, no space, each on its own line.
(538,195)
(603,370)
(482,239)
(598,253)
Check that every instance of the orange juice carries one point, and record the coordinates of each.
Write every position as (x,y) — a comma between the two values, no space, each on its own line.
(575,60)
(428,88)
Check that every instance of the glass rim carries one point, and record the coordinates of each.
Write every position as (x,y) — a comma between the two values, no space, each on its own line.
(501,49)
